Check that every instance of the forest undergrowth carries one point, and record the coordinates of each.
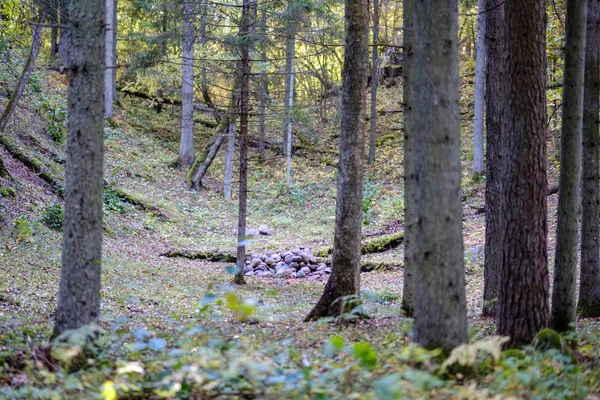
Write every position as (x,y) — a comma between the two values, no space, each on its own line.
(177,328)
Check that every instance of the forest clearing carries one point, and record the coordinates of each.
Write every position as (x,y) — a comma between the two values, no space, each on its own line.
(197,302)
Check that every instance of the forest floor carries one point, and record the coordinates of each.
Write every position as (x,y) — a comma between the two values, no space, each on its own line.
(173,327)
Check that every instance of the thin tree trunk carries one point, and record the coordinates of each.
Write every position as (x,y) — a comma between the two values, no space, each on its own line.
(53,9)
(114,49)
(79,289)
(110,62)
(264,85)
(65,22)
(290,50)
(374,82)
(345,277)
(479,90)
(36,41)
(200,167)
(565,267)
(523,308)
(247,33)
(493,172)
(440,300)
(186,143)
(408,291)
(589,289)
(229,159)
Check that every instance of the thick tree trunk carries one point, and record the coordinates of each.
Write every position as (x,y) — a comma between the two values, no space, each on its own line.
(374,82)
(523,308)
(290,50)
(440,300)
(565,267)
(408,292)
(589,289)
(493,171)
(247,33)
(36,41)
(186,143)
(479,89)
(229,159)
(109,61)
(79,289)
(345,277)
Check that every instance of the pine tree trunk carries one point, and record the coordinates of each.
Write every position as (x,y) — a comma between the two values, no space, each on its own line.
(479,90)
(565,267)
(440,300)
(114,49)
(290,50)
(589,289)
(374,82)
(53,10)
(79,289)
(186,143)
(109,61)
(408,292)
(345,276)
(63,44)
(264,85)
(229,159)
(493,171)
(36,41)
(523,308)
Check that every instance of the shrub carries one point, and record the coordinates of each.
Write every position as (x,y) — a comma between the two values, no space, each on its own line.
(53,217)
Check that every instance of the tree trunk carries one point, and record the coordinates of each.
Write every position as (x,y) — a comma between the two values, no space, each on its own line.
(264,86)
(493,171)
(200,167)
(589,289)
(345,277)
(114,49)
(79,289)
(565,267)
(65,22)
(523,308)
(479,90)
(247,33)
(36,41)
(53,10)
(229,159)
(186,144)
(440,304)
(290,50)
(374,81)
(110,62)
(408,291)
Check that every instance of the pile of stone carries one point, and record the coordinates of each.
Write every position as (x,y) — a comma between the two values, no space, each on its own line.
(286,264)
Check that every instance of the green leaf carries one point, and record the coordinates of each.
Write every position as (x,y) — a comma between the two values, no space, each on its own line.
(157,344)
(365,354)
(388,387)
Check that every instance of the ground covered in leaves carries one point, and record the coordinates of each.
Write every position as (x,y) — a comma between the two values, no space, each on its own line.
(177,328)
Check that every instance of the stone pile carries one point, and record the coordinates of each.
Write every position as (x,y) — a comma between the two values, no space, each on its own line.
(286,264)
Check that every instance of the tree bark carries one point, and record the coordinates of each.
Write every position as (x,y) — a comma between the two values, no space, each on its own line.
(229,159)
(440,300)
(200,167)
(589,289)
(65,23)
(186,143)
(408,291)
(53,11)
(479,89)
(36,41)
(345,277)
(290,49)
(493,171)
(374,82)
(523,308)
(565,267)
(109,61)
(79,289)
(264,86)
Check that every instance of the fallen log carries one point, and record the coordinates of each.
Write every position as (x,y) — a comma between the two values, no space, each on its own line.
(217,256)
(376,245)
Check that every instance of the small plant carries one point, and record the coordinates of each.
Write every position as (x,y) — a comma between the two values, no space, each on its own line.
(112,200)
(57,125)
(53,217)
(370,191)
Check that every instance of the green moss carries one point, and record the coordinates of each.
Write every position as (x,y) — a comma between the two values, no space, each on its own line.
(8,191)
(547,339)
(383,243)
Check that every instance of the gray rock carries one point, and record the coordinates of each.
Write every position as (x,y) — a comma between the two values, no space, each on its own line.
(313,267)
(268,274)
(259,273)
(307,251)
(294,265)
(252,232)
(300,274)
(288,272)
(279,274)
(302,264)
(269,261)
(296,252)
(262,267)
(249,273)
(288,258)
(312,259)
(265,230)
(281,266)
(248,268)
(321,267)
(306,270)
(269,253)
(297,259)
(255,262)
(327,270)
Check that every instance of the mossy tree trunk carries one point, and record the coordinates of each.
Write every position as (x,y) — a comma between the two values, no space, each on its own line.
(523,308)
(345,276)
(565,267)
(440,300)
(79,289)
(589,289)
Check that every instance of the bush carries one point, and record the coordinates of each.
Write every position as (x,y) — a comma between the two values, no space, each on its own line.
(53,217)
